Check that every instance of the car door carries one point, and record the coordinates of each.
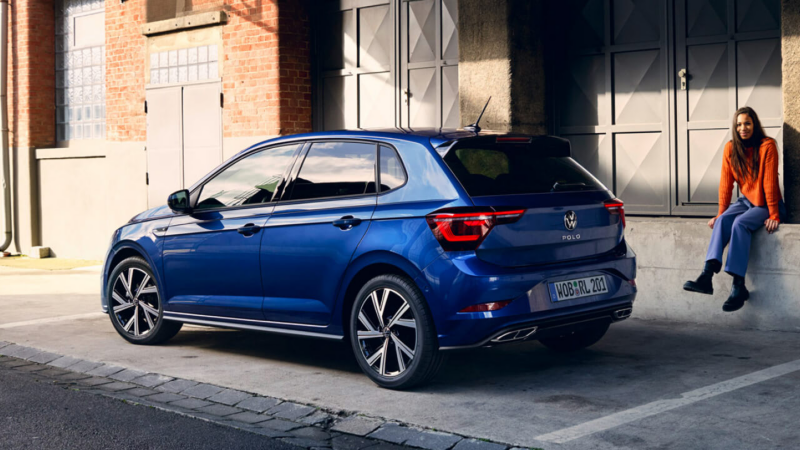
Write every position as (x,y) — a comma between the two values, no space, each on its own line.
(314,231)
(211,257)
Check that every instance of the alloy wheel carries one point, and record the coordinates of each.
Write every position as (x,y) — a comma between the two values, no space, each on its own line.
(136,302)
(387,332)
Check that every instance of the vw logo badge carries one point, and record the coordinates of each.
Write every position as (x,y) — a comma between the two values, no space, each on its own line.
(570,220)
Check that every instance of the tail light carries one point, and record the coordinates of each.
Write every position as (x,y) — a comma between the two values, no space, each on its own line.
(486,307)
(616,207)
(461,229)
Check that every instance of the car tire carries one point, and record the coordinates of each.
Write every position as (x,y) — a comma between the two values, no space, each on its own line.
(134,304)
(396,351)
(577,339)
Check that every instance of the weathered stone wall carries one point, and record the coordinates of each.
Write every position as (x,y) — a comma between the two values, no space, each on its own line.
(790,49)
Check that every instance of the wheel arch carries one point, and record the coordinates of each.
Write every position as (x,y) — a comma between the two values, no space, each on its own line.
(122,251)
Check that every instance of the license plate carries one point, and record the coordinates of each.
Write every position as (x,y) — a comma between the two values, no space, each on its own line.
(579,287)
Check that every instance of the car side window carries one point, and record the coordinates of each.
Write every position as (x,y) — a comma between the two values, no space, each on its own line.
(392,173)
(336,169)
(251,180)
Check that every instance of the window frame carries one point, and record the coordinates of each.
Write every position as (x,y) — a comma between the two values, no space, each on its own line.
(195,193)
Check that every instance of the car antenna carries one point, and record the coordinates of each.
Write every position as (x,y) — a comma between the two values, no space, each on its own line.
(474,127)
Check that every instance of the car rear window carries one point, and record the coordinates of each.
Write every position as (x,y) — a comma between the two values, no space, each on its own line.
(517,169)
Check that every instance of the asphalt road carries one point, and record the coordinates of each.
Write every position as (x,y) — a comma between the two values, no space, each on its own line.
(40,415)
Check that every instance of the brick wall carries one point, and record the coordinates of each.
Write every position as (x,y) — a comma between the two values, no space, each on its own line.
(295,66)
(125,59)
(31,77)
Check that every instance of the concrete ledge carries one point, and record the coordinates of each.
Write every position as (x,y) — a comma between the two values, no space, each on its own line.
(185,22)
(70,153)
(671,251)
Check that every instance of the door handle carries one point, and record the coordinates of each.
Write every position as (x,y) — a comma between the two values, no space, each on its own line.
(682,73)
(346,222)
(249,229)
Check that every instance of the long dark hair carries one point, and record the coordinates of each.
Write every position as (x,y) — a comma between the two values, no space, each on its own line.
(741,166)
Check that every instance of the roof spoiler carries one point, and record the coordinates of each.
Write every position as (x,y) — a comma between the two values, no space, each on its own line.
(543,145)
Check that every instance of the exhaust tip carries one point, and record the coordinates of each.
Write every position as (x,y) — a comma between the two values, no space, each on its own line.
(622,314)
(516,335)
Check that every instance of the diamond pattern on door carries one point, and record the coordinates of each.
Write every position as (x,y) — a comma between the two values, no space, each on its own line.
(422,102)
(637,20)
(640,162)
(706,150)
(451,117)
(758,15)
(376,100)
(421,30)
(375,34)
(759,76)
(589,150)
(638,84)
(587,27)
(584,92)
(708,87)
(449,29)
(706,17)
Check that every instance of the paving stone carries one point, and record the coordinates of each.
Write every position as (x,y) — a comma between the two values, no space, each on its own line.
(64,361)
(74,376)
(229,397)
(151,380)
(105,370)
(94,381)
(358,425)
(127,375)
(85,366)
(248,417)
(393,433)
(269,432)
(474,444)
(32,368)
(311,433)
(17,363)
(258,404)
(387,446)
(141,392)
(165,397)
(202,391)
(191,403)
(318,418)
(348,442)
(281,425)
(303,442)
(4,344)
(18,351)
(53,372)
(176,386)
(44,357)
(219,410)
(117,386)
(291,411)
(432,440)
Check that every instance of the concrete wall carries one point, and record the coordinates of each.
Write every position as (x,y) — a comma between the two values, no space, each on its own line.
(672,251)
(790,50)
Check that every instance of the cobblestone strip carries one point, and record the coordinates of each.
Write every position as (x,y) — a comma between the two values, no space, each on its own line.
(293,423)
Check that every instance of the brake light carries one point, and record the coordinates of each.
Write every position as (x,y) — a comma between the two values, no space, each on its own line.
(486,307)
(461,229)
(513,140)
(616,207)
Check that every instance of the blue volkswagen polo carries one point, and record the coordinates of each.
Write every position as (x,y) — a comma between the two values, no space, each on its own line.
(406,244)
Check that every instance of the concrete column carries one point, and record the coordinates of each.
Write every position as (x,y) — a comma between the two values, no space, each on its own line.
(501,54)
(790,48)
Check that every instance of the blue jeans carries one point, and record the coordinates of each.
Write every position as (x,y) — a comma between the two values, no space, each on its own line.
(736,226)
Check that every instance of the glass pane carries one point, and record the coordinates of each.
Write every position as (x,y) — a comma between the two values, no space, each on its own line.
(334,169)
(251,180)
(392,173)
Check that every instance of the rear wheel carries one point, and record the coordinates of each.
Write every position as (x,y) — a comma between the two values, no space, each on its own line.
(134,304)
(578,339)
(392,333)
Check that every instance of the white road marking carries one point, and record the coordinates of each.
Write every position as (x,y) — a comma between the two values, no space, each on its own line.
(659,406)
(50,320)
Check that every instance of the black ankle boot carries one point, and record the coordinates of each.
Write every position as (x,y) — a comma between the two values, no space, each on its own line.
(739,294)
(703,283)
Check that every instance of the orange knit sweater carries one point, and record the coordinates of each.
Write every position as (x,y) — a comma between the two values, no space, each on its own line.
(761,192)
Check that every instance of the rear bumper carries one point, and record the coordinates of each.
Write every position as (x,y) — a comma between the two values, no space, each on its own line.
(460,280)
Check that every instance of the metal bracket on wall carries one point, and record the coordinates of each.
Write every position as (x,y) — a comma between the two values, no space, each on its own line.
(145,106)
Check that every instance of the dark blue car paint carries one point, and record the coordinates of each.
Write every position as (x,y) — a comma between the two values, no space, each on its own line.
(291,276)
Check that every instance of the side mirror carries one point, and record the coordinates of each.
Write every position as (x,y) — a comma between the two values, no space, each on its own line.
(179,202)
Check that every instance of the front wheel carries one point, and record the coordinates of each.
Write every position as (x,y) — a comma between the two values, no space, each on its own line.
(578,339)
(392,333)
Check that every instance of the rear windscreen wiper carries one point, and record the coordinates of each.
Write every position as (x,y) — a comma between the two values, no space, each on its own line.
(569,187)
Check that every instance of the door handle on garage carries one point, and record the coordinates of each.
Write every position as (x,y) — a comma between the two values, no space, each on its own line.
(346,222)
(249,229)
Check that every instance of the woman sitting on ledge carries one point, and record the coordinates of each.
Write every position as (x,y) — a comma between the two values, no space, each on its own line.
(750,159)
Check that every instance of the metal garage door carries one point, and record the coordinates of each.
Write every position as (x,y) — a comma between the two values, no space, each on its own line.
(619,98)
(386,63)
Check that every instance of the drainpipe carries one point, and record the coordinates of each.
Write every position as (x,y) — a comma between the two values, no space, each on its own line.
(6,178)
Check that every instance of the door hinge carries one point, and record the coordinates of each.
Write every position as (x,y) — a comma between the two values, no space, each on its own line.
(221,100)
(147,178)
(145,106)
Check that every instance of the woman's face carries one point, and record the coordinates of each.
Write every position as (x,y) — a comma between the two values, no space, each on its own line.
(744,126)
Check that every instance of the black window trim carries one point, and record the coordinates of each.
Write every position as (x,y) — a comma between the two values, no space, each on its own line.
(194,195)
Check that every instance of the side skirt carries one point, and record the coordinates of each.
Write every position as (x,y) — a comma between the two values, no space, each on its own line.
(225,322)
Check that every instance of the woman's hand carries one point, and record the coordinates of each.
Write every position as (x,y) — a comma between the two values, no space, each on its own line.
(712,222)
(771,225)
